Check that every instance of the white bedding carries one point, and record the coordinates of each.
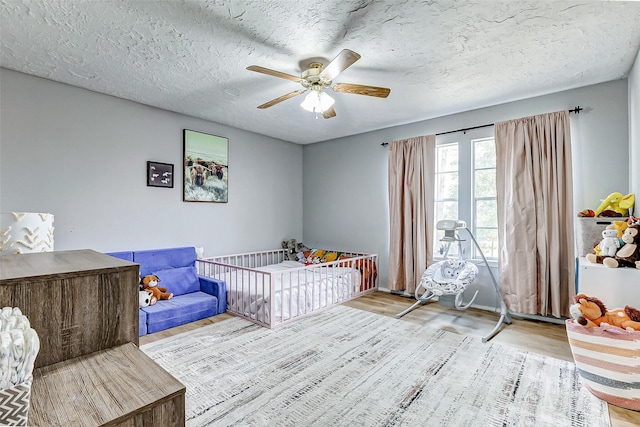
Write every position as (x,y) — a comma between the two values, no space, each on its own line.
(297,290)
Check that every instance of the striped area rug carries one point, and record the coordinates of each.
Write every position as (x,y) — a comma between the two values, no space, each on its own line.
(347,367)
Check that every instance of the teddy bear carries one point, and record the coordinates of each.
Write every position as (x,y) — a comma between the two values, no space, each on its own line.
(150,283)
(609,243)
(627,256)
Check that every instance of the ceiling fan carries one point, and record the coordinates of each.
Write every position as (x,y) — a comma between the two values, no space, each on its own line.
(316,79)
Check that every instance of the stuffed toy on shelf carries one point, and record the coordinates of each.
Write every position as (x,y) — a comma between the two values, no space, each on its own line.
(620,226)
(627,256)
(616,205)
(609,243)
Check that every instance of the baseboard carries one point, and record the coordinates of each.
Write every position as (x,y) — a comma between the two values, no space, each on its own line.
(398,293)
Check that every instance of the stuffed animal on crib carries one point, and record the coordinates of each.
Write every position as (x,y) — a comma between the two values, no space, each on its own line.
(627,256)
(293,248)
(302,256)
(316,256)
(146,298)
(590,312)
(150,283)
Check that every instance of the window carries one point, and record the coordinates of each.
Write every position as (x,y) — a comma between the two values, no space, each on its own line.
(465,180)
(485,209)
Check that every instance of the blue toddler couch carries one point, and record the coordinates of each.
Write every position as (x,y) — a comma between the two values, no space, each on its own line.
(194,297)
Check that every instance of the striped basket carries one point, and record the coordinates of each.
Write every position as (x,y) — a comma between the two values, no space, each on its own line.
(14,404)
(608,360)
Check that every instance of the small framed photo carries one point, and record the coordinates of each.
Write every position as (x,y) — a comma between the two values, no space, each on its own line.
(159,174)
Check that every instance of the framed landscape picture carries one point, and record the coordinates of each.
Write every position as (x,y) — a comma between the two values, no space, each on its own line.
(159,174)
(206,167)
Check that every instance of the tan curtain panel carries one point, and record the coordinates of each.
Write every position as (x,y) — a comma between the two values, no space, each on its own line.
(535,214)
(411,188)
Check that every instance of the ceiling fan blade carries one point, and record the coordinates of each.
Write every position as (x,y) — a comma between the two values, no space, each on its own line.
(340,63)
(380,92)
(328,113)
(274,73)
(282,98)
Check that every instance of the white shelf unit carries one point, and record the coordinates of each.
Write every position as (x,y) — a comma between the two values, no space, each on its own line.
(615,287)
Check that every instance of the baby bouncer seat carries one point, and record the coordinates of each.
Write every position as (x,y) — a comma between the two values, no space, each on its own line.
(448,279)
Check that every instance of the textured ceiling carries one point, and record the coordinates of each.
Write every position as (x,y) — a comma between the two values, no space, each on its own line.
(438,57)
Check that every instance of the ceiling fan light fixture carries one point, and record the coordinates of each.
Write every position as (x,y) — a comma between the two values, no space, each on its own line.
(317,102)
(316,79)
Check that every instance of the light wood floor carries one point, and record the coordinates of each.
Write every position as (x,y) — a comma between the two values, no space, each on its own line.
(529,335)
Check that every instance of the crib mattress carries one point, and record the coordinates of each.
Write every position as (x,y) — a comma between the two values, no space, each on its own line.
(296,289)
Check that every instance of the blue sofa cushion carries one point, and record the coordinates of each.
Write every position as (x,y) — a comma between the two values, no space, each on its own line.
(160,259)
(180,310)
(180,281)
(143,323)
(217,288)
(127,255)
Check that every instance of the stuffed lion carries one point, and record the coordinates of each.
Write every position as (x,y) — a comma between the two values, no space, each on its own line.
(591,312)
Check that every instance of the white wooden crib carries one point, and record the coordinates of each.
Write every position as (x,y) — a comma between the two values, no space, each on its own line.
(263,283)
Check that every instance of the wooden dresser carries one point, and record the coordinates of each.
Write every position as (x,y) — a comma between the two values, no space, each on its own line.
(84,307)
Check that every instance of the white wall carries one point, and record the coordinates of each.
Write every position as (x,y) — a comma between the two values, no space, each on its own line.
(634,131)
(82,156)
(345,180)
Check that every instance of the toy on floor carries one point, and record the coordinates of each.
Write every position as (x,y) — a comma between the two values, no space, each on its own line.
(627,256)
(591,312)
(150,283)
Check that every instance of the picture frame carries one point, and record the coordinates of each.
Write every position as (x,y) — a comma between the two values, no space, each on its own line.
(206,167)
(160,174)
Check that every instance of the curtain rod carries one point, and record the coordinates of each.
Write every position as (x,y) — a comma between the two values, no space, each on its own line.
(575,110)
